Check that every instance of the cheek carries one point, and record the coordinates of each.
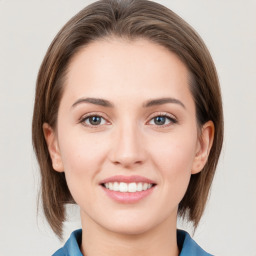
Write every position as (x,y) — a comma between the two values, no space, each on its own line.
(82,157)
(81,152)
(174,156)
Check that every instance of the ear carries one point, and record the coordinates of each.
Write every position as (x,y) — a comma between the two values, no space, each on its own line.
(203,147)
(53,147)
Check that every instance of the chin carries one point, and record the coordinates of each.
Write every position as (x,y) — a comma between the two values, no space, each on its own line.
(130,229)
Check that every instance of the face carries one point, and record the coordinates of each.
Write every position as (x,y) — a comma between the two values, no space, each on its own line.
(127,137)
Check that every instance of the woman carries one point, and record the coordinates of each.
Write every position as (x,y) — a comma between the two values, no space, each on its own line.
(127,124)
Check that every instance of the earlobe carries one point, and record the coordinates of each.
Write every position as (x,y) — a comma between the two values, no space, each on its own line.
(204,146)
(53,147)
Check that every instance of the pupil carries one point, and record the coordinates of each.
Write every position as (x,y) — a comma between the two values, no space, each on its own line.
(94,120)
(159,120)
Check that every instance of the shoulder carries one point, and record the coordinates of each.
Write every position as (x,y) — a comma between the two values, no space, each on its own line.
(188,247)
(71,247)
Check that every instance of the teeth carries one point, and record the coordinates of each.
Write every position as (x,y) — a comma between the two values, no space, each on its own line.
(145,186)
(123,187)
(115,186)
(132,187)
(139,186)
(127,187)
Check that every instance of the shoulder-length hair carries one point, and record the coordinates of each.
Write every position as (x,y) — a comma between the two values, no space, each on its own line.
(129,19)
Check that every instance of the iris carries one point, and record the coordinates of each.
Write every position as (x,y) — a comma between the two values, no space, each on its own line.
(95,120)
(160,120)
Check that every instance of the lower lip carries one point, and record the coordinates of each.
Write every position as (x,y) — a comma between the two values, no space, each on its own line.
(128,197)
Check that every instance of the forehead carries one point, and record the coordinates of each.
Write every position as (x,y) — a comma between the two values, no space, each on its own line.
(116,67)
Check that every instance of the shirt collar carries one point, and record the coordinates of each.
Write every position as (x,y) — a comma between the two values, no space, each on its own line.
(187,246)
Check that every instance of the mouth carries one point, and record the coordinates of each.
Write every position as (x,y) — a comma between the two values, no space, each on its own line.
(128,187)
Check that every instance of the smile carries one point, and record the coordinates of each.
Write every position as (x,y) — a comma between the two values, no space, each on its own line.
(127,187)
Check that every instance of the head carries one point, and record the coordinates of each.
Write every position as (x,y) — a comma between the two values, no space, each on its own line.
(106,22)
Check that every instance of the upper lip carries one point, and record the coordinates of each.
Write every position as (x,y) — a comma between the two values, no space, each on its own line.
(127,179)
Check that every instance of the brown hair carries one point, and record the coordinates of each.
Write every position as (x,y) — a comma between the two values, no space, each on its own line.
(128,19)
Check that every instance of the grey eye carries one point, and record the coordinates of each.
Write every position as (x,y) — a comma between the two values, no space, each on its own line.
(94,120)
(160,120)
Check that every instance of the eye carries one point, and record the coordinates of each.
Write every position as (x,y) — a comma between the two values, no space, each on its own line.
(93,120)
(162,120)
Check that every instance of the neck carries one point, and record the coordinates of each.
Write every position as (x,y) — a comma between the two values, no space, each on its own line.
(161,241)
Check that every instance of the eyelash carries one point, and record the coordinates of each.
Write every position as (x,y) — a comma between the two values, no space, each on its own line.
(84,118)
(172,120)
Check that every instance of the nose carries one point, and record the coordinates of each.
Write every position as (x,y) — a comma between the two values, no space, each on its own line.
(127,147)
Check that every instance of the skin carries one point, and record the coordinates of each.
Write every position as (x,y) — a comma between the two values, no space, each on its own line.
(128,141)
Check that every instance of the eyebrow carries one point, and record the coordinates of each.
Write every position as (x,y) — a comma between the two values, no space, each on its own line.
(162,101)
(149,103)
(95,101)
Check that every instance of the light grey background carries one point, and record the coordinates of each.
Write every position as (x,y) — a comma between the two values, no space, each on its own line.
(228,28)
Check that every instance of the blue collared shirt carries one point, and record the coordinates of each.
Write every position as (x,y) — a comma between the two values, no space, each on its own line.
(186,244)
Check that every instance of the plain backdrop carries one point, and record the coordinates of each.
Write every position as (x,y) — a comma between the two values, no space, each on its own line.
(229,30)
